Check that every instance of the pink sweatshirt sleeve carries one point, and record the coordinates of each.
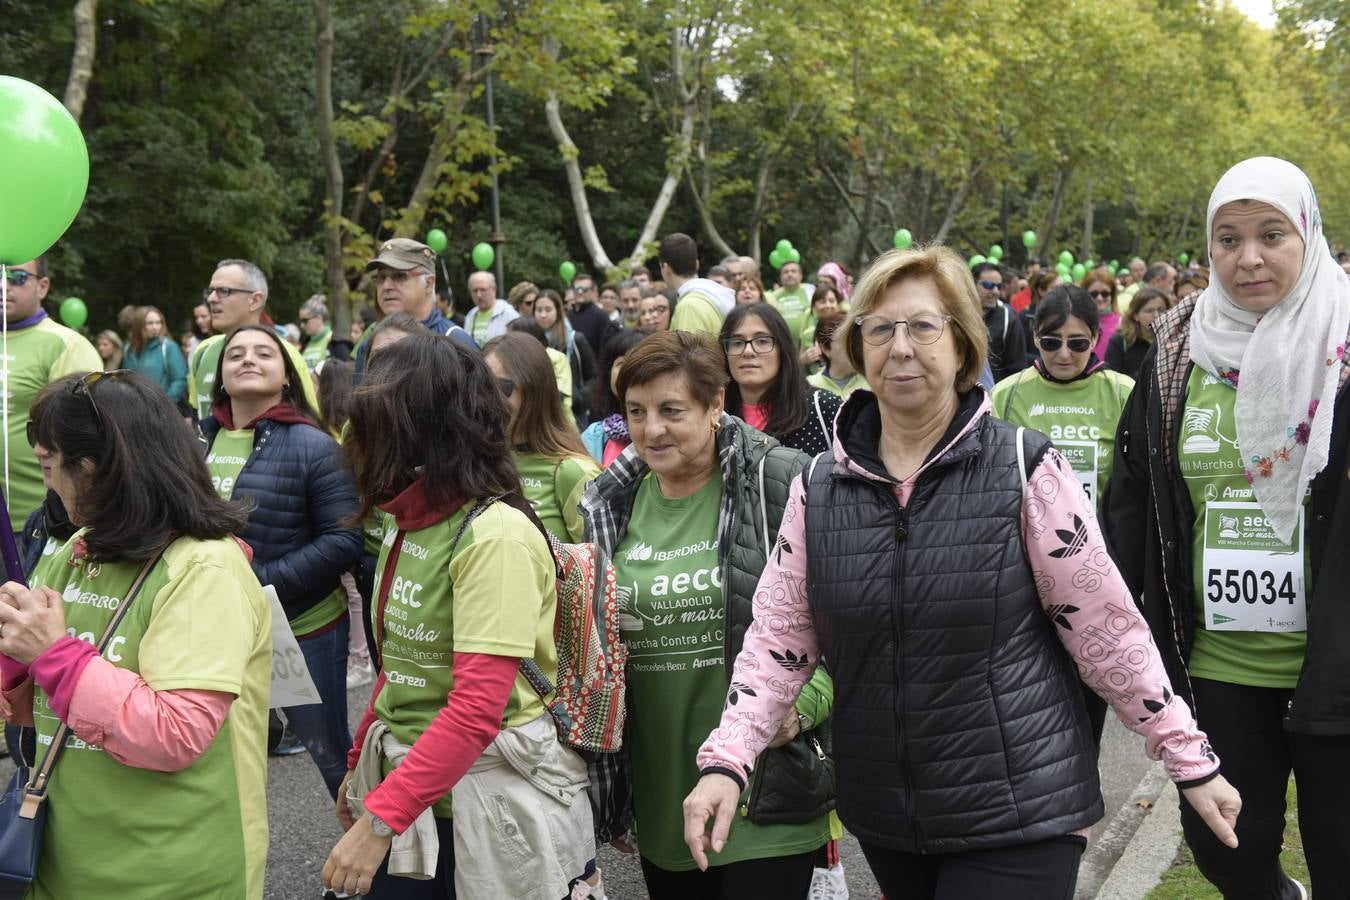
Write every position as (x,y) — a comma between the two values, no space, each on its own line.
(461,731)
(762,688)
(367,719)
(115,709)
(1098,623)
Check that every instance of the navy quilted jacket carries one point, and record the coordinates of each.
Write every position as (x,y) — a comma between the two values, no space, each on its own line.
(302,492)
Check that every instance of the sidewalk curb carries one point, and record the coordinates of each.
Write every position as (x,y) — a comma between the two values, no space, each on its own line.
(1137,845)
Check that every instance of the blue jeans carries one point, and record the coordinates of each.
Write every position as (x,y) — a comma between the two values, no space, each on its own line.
(322,727)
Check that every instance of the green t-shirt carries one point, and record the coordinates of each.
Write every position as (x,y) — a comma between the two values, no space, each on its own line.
(1080,417)
(316,348)
(825,382)
(481,321)
(554,489)
(372,530)
(672,614)
(796,309)
(201,622)
(1247,574)
(230,450)
(38,356)
(696,311)
(496,596)
(206,360)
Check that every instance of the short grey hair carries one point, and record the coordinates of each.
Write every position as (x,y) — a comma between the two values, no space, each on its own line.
(315,306)
(254,278)
(628,284)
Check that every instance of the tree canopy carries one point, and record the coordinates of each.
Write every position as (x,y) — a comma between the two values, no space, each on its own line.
(302,135)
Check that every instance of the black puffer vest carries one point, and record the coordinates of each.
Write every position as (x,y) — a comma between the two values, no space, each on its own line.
(958,720)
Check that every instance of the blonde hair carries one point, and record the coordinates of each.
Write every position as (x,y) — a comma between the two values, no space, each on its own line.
(955,288)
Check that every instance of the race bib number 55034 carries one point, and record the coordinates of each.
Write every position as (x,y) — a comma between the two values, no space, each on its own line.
(1253,581)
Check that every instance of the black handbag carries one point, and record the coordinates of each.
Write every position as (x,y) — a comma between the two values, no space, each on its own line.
(23,812)
(802,777)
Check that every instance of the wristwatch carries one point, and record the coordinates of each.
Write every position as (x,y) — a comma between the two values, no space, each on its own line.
(379,827)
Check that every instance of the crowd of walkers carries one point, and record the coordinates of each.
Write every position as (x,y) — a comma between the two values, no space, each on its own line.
(883,552)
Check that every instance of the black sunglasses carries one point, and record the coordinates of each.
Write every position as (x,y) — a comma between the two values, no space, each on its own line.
(85,387)
(1099,294)
(1051,343)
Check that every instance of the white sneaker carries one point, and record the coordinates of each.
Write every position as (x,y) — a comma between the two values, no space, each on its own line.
(1302,891)
(360,675)
(829,884)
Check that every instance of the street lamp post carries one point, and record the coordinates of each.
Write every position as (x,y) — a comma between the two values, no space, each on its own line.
(496,238)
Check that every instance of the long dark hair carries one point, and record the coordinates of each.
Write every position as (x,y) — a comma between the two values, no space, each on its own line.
(335,392)
(786,397)
(538,425)
(148,483)
(427,408)
(293,390)
(615,349)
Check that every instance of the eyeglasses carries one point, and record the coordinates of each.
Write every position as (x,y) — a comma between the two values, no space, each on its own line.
(1051,344)
(991,285)
(84,386)
(506,386)
(395,275)
(656,310)
(589,289)
(18,277)
(1099,295)
(760,343)
(224,292)
(879,330)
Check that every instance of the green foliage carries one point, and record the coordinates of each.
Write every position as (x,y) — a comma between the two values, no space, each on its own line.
(829,125)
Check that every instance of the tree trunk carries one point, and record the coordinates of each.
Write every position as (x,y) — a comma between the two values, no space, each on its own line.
(1089,209)
(958,200)
(1052,215)
(334,281)
(576,185)
(82,59)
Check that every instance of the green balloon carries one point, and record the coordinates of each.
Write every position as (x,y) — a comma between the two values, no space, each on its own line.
(976,260)
(1066,257)
(996,253)
(1183,258)
(903,239)
(793,256)
(1063,270)
(776,258)
(46,170)
(568,271)
(1112,267)
(1028,239)
(1079,270)
(1089,264)
(783,247)
(73,312)
(483,255)
(436,240)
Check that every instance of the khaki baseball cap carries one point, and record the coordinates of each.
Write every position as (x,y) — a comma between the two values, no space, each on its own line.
(405,254)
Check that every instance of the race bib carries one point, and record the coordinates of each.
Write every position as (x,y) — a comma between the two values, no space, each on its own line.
(1082,458)
(1253,581)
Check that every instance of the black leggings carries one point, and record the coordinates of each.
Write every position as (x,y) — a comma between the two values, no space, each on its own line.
(779,877)
(1047,870)
(1245,725)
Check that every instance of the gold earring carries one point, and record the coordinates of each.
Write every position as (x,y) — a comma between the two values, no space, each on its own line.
(716,427)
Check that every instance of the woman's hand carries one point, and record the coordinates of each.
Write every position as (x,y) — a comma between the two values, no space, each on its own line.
(352,864)
(31,620)
(811,355)
(1218,803)
(714,797)
(789,729)
(344,813)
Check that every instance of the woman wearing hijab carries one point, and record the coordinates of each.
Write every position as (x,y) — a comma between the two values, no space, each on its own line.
(1226,509)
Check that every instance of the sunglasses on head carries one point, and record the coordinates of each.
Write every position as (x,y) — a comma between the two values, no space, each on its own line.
(85,387)
(1051,343)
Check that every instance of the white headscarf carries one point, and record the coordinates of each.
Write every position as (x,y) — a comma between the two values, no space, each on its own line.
(1286,362)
